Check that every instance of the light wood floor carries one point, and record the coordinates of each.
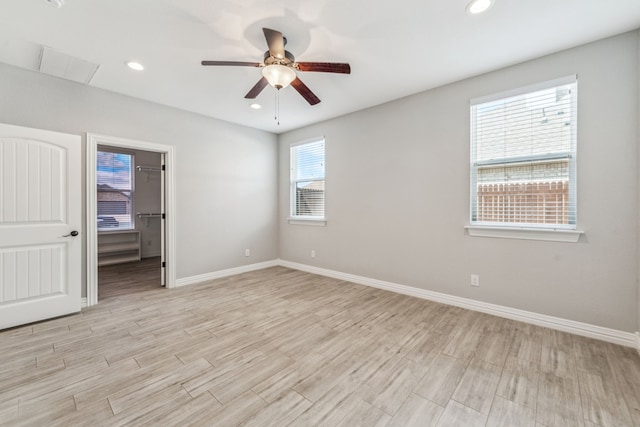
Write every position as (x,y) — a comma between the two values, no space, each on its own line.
(124,279)
(279,347)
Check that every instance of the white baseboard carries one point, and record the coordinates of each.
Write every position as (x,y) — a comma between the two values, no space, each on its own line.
(224,273)
(627,339)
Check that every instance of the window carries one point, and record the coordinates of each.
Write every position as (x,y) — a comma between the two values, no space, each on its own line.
(307,180)
(523,157)
(114,190)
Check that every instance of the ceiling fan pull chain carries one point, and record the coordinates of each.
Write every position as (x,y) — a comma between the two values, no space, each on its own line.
(277,105)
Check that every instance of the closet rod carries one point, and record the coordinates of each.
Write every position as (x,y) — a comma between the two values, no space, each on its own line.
(148,168)
(148,215)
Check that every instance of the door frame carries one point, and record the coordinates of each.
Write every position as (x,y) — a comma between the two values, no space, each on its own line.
(93,140)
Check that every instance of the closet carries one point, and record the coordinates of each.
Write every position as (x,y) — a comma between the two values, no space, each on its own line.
(130,220)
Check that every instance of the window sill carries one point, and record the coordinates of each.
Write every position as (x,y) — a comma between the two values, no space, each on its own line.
(317,222)
(550,235)
(115,230)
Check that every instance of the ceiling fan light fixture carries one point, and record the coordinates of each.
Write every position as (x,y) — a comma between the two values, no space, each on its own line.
(279,76)
(478,6)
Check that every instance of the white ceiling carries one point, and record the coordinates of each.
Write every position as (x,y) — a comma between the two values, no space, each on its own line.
(395,48)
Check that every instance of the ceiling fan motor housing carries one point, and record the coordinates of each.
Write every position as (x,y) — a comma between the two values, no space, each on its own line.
(288,59)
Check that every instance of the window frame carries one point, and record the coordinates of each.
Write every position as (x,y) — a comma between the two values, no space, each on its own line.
(132,222)
(534,231)
(295,219)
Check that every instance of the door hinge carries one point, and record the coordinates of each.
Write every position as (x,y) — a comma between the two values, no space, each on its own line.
(164,264)
(163,167)
(163,216)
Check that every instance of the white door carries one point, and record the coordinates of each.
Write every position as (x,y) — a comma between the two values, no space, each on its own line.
(40,220)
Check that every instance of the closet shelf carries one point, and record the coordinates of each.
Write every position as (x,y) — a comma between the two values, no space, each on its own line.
(117,259)
(106,248)
(118,246)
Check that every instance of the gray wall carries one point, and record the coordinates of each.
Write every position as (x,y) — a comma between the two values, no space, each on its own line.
(397,186)
(226,185)
(398,195)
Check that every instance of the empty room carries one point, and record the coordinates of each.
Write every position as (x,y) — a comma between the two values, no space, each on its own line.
(287,213)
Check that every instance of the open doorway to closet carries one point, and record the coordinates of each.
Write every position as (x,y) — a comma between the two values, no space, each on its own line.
(129,217)
(130,207)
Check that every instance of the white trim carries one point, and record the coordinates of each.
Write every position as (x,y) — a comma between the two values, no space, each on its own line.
(318,222)
(571,155)
(83,302)
(551,235)
(92,227)
(294,180)
(573,78)
(627,339)
(92,242)
(307,141)
(185,281)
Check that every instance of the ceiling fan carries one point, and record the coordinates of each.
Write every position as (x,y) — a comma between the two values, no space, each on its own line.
(279,68)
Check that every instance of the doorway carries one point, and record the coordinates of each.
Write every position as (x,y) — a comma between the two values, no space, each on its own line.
(131,231)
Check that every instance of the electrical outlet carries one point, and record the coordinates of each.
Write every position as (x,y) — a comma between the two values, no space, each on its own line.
(475,280)
(247,252)
(313,253)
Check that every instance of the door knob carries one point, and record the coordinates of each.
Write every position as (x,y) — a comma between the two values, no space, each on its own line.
(74,233)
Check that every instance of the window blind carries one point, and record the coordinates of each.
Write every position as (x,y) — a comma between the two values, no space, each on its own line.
(307,180)
(523,157)
(114,178)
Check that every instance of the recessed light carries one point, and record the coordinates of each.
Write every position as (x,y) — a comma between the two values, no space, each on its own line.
(478,6)
(135,65)
(55,3)
(256,106)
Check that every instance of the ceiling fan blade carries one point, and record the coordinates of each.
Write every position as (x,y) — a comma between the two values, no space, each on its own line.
(305,91)
(232,63)
(325,67)
(255,91)
(275,41)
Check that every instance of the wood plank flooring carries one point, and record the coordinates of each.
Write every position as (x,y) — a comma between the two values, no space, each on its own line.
(279,347)
(124,279)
